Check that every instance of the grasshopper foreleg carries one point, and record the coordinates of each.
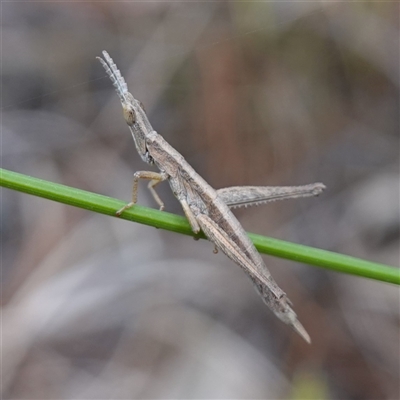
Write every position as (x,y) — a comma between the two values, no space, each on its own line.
(155,179)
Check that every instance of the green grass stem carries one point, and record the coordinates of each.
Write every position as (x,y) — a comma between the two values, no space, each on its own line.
(164,220)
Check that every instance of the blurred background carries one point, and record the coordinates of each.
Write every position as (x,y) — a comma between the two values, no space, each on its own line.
(250,93)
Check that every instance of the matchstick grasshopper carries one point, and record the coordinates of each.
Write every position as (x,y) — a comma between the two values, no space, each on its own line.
(207,209)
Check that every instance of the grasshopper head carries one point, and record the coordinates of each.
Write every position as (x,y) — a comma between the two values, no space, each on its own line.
(134,113)
(129,113)
(138,123)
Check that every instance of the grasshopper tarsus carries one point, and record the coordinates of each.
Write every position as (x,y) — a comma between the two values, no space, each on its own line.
(124,208)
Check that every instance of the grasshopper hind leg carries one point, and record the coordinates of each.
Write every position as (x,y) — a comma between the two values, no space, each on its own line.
(244,196)
(274,297)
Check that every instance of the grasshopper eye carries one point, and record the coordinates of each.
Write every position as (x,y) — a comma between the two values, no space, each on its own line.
(129,115)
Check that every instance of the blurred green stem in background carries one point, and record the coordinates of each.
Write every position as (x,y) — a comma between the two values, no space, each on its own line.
(175,223)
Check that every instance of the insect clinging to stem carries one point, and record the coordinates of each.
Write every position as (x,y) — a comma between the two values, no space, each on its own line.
(207,209)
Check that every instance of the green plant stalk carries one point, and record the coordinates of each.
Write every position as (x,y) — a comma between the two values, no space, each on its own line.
(164,220)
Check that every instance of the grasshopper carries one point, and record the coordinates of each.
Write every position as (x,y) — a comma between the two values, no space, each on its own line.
(207,209)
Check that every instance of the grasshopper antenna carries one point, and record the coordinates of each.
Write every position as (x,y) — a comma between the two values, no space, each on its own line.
(115,75)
